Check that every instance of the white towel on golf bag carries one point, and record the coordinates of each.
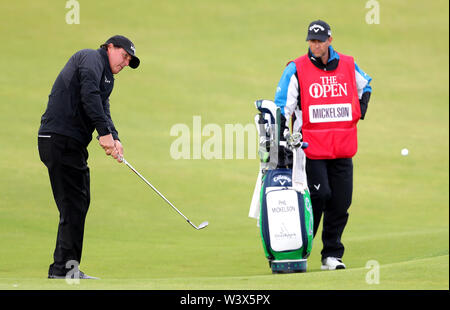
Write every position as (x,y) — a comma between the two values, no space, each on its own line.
(255,204)
(299,182)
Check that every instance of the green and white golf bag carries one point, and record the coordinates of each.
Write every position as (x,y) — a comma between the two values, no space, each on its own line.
(281,199)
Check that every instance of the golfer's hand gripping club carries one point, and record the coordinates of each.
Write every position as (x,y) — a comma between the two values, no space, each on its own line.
(111,147)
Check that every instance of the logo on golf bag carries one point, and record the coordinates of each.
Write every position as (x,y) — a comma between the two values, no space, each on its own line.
(284,233)
(282,179)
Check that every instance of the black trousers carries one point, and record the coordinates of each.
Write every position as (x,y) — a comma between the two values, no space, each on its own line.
(331,186)
(66,160)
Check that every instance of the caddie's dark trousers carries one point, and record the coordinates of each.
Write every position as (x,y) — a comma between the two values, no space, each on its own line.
(331,185)
(66,160)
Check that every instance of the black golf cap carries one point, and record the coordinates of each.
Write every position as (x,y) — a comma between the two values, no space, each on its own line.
(127,45)
(318,30)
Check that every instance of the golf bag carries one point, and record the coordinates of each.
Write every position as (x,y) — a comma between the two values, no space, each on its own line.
(285,211)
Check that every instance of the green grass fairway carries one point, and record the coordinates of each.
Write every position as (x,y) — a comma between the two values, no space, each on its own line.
(213,59)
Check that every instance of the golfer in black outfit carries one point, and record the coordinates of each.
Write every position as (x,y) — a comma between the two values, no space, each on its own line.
(79,104)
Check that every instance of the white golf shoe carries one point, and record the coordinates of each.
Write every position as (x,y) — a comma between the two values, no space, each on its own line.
(332,263)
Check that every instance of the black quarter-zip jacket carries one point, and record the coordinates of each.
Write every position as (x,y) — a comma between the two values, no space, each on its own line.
(79,100)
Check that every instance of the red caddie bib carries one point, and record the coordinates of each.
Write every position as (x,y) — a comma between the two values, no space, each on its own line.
(330,108)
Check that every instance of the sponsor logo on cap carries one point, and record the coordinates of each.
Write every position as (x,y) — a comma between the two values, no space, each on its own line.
(133,48)
(316,28)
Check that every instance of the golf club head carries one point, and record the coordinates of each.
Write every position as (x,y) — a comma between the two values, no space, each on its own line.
(202,225)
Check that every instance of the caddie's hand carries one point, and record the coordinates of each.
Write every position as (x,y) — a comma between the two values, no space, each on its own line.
(108,144)
(119,149)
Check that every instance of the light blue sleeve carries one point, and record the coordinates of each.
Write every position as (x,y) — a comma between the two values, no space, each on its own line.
(366,77)
(283,86)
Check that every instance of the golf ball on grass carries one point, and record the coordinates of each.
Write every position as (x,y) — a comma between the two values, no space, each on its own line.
(405,152)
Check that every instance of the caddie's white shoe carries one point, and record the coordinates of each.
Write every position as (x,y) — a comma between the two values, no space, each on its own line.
(332,263)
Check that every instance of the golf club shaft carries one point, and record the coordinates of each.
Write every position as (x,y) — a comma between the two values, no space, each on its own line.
(154,188)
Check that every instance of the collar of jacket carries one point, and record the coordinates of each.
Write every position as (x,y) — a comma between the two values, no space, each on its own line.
(333,60)
(104,55)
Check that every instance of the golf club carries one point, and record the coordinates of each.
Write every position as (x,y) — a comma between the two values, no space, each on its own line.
(202,225)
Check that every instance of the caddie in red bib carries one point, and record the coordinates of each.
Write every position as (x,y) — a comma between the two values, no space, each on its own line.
(331,108)
(322,95)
